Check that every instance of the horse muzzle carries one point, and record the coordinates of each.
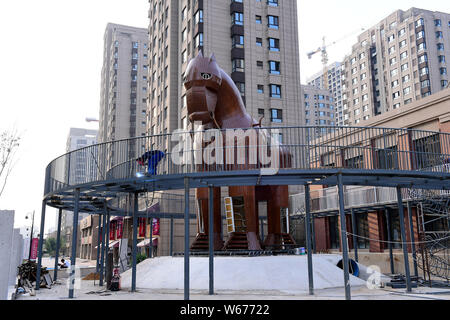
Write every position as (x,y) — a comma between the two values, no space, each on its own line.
(201,104)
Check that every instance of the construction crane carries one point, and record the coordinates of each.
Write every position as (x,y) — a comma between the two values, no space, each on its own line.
(324,52)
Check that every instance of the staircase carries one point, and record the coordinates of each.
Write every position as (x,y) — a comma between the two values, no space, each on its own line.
(237,241)
(201,243)
(288,241)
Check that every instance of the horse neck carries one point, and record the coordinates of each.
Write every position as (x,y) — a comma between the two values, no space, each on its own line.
(230,110)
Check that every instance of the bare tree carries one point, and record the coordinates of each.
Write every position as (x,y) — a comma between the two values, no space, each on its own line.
(9,143)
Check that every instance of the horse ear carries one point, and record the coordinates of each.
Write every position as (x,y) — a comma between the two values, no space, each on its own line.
(213,58)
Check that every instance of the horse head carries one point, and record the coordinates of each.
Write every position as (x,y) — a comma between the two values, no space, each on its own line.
(202,80)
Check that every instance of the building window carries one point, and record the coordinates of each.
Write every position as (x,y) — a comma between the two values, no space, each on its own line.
(272,3)
(260,88)
(259,64)
(273,22)
(237,18)
(443,71)
(275,91)
(198,40)
(437,22)
(274,67)
(238,65)
(274,44)
(441,59)
(241,88)
(276,115)
(258,19)
(198,17)
(237,41)
(259,42)
(440,47)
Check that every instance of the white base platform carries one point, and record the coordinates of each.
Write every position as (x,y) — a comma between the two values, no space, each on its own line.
(279,273)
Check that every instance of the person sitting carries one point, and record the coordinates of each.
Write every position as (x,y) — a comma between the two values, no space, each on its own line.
(64,264)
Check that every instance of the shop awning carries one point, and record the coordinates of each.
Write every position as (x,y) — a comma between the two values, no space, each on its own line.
(114,244)
(146,243)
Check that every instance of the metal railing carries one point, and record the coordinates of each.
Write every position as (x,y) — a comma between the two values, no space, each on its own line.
(302,148)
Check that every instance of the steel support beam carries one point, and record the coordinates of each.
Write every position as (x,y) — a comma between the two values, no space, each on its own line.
(134,247)
(186,238)
(58,244)
(309,239)
(73,256)
(345,260)
(211,240)
(413,243)
(401,215)
(40,246)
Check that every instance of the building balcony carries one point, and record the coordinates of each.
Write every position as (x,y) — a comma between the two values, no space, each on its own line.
(236,7)
(237,53)
(238,76)
(237,30)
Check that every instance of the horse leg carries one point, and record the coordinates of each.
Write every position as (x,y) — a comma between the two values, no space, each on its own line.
(279,198)
(251,215)
(203,232)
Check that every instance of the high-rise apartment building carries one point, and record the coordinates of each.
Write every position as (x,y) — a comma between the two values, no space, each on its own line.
(256,42)
(75,171)
(400,60)
(330,79)
(123,104)
(319,107)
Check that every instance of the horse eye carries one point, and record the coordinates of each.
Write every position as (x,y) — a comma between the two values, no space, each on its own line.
(206,76)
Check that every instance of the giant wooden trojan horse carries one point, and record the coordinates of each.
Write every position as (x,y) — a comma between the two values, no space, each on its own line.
(214,101)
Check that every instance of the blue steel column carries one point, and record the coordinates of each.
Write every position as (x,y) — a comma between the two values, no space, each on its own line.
(313,234)
(355,233)
(150,251)
(413,243)
(134,248)
(308,239)
(403,232)
(41,243)
(388,225)
(58,244)
(171,237)
(106,240)
(186,238)
(345,259)
(99,236)
(73,256)
(102,258)
(211,240)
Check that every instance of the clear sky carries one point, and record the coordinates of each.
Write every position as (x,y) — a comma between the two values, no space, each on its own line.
(50,62)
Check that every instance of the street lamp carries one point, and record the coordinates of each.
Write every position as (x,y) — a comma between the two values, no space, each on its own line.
(31,235)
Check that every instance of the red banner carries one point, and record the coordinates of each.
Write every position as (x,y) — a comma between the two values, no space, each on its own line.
(34,248)
(155,226)
(119,229)
(142,227)
(112,230)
